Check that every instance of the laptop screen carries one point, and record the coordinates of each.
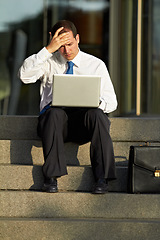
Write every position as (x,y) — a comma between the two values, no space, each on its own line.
(76,90)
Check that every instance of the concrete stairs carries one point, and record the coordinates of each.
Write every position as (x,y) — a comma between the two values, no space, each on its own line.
(73,212)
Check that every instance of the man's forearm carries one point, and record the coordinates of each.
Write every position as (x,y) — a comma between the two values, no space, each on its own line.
(32,68)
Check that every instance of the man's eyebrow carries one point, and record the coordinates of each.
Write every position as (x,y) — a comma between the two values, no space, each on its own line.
(70,43)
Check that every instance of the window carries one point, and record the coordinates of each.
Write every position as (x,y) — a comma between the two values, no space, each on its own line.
(108,30)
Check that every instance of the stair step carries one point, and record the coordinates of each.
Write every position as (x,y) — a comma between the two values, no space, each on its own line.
(73,212)
(122,129)
(79,229)
(30,152)
(32,204)
(19,177)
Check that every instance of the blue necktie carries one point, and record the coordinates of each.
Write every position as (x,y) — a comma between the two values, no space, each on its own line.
(69,71)
(70,67)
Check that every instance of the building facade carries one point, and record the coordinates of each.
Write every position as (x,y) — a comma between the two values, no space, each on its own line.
(125,34)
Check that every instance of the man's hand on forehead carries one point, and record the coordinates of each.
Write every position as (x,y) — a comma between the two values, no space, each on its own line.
(60,38)
(64,30)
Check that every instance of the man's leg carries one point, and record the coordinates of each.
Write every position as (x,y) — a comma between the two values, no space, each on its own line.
(52,128)
(82,125)
(101,150)
(93,125)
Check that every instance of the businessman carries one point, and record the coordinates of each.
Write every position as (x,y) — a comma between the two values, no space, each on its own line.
(57,125)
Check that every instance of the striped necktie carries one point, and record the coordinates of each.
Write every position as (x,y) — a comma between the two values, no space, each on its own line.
(70,67)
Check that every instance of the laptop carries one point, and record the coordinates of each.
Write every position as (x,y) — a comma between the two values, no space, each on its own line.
(76,90)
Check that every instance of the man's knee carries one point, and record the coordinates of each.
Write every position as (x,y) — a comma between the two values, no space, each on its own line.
(97,115)
(95,112)
(55,113)
(52,120)
(52,117)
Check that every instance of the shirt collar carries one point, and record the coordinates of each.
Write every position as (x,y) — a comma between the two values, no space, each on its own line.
(76,60)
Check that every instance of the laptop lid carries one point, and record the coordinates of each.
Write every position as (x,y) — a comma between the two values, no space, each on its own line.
(76,90)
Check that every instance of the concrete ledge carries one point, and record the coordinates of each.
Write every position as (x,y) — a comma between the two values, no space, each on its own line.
(78,178)
(122,129)
(79,205)
(79,229)
(135,129)
(18,127)
(29,152)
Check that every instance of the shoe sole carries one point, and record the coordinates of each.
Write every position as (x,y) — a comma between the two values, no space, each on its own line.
(49,191)
(99,192)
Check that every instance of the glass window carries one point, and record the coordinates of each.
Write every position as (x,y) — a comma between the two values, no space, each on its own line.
(123,56)
(91,19)
(154,84)
(24,30)
(108,30)
(21,34)
(150,81)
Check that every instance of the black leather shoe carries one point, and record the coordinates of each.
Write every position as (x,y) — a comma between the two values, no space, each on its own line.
(50,186)
(101,187)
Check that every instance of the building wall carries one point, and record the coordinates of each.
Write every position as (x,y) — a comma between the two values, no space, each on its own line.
(108,30)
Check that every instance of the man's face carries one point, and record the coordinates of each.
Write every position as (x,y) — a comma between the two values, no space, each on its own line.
(70,50)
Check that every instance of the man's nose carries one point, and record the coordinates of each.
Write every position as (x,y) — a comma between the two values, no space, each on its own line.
(66,48)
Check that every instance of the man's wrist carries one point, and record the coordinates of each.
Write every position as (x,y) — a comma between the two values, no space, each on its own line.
(50,50)
(102,104)
(43,54)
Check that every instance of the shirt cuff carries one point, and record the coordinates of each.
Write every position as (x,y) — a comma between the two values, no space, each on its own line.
(44,55)
(102,106)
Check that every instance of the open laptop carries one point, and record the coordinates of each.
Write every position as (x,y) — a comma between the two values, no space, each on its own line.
(76,90)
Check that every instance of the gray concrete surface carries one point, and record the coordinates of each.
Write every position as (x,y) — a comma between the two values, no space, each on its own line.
(32,204)
(70,213)
(21,177)
(79,229)
(122,129)
(30,152)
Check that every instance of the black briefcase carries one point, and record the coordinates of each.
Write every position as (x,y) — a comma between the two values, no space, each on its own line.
(144,169)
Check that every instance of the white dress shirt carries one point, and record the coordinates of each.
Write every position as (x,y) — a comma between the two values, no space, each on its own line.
(43,65)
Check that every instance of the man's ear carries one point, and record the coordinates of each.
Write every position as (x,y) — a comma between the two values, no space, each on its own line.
(50,37)
(77,38)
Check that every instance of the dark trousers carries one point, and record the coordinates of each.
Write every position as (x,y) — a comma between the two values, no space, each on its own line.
(58,125)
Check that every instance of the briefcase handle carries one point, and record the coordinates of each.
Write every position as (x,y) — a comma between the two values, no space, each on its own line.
(151,143)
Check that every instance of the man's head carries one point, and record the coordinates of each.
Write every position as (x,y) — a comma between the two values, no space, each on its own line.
(68,51)
(68,26)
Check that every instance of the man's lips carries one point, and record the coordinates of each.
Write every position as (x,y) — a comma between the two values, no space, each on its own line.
(68,55)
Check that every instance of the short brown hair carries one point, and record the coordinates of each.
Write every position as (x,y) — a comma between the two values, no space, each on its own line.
(68,25)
